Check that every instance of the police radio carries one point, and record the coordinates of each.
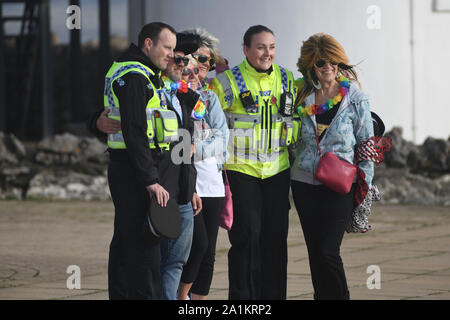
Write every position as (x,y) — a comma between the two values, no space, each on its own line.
(246,99)
(286,104)
(248,102)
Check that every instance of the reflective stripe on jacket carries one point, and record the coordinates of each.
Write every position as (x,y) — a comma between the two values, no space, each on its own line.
(162,123)
(260,135)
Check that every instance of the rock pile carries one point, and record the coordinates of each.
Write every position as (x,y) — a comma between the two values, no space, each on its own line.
(66,166)
(401,186)
(417,174)
(60,167)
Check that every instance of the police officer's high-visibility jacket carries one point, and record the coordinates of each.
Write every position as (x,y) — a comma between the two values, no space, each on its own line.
(260,135)
(162,123)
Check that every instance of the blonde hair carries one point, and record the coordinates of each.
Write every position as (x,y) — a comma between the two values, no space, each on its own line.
(192,61)
(192,64)
(321,46)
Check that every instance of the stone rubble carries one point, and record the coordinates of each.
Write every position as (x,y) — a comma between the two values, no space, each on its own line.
(69,167)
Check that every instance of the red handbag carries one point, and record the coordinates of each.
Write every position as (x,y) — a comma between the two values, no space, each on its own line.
(333,172)
(226,215)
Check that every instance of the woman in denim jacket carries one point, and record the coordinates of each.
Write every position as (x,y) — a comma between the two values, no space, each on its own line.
(335,114)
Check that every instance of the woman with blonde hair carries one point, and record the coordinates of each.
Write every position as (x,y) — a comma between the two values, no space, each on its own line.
(336,118)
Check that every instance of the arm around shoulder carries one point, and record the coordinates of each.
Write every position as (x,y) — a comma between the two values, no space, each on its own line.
(91,124)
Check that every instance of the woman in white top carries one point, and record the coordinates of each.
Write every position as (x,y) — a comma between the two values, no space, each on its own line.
(210,140)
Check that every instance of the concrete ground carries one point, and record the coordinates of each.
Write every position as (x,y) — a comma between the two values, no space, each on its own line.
(409,246)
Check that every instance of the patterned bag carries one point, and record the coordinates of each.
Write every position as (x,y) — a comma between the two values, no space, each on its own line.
(372,149)
(359,222)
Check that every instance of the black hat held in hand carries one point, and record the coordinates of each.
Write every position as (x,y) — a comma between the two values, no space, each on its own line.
(164,221)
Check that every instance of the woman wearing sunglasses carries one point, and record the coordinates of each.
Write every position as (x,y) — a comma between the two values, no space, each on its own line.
(336,116)
(210,139)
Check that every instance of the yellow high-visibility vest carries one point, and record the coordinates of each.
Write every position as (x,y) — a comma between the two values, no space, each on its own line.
(260,136)
(162,123)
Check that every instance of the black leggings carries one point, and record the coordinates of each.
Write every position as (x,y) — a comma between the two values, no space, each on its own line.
(323,215)
(200,265)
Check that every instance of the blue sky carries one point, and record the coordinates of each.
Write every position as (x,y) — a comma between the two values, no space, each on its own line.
(89,18)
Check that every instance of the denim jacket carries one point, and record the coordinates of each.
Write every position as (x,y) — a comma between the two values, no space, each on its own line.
(351,125)
(211,133)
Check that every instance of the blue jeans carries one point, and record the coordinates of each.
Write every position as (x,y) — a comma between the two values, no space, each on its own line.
(174,254)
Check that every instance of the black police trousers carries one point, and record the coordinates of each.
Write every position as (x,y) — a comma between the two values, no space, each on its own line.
(257,259)
(134,255)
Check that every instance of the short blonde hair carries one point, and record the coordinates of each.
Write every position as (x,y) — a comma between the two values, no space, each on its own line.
(192,61)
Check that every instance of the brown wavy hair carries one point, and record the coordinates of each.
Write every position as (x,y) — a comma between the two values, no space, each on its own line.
(321,46)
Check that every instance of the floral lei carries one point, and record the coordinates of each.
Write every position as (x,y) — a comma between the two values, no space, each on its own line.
(199,110)
(304,110)
(181,86)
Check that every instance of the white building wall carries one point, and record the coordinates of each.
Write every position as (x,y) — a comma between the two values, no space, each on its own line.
(432,68)
(384,55)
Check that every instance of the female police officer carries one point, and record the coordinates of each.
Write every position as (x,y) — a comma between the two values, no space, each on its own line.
(257,99)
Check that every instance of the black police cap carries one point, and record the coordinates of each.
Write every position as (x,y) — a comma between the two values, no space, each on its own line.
(165,221)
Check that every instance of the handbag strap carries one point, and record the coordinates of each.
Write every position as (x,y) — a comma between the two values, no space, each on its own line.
(318,143)
(226,177)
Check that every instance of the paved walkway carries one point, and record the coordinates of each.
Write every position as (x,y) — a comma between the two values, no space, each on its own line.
(39,240)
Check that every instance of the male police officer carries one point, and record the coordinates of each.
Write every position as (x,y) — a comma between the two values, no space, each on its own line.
(171,260)
(139,167)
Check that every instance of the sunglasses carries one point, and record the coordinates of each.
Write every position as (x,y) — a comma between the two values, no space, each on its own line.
(203,59)
(178,59)
(187,72)
(320,63)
